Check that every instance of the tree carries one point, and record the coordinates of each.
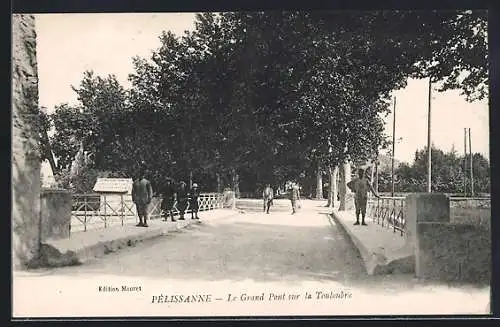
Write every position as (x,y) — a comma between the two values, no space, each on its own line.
(268,95)
(447,173)
(45,146)
(71,126)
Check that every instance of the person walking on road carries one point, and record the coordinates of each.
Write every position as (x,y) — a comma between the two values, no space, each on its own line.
(294,197)
(169,198)
(360,187)
(182,199)
(142,194)
(267,195)
(194,195)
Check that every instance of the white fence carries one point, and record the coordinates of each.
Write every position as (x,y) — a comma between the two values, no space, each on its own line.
(96,211)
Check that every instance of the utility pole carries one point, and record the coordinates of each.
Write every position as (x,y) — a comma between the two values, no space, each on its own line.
(471,169)
(465,162)
(393,146)
(429,189)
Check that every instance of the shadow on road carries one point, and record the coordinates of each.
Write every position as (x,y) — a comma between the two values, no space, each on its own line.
(246,250)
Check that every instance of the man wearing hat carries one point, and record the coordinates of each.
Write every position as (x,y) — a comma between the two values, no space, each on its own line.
(194,194)
(182,199)
(142,193)
(361,186)
(169,198)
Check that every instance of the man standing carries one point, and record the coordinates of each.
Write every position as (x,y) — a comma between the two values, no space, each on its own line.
(169,198)
(194,194)
(142,193)
(268,196)
(182,199)
(294,197)
(360,187)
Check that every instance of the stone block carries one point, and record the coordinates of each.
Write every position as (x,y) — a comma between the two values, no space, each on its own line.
(424,207)
(453,252)
(49,256)
(55,213)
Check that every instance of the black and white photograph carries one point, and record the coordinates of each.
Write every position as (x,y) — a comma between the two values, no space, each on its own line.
(251,164)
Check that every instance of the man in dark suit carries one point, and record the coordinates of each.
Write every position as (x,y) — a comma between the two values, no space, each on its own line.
(169,197)
(182,199)
(142,194)
(194,194)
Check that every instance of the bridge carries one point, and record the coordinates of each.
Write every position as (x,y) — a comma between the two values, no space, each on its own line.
(244,250)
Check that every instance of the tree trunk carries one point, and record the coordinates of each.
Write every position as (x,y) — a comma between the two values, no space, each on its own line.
(345,194)
(332,186)
(219,183)
(376,177)
(319,184)
(329,203)
(236,183)
(48,150)
(190,179)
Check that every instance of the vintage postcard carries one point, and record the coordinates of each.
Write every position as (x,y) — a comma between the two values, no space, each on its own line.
(245,164)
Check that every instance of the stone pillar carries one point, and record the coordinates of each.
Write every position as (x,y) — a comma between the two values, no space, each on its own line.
(25,144)
(421,209)
(55,214)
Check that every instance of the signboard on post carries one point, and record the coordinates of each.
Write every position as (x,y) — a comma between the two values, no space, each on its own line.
(113,185)
(116,196)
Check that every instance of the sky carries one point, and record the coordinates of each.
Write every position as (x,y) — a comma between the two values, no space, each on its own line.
(69,44)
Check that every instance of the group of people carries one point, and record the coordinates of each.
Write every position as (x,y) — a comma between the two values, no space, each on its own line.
(293,195)
(359,186)
(179,197)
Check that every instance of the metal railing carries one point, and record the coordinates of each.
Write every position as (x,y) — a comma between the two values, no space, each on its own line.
(388,212)
(96,211)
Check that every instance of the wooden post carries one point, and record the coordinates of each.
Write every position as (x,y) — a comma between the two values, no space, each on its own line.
(465,162)
(85,213)
(429,148)
(122,213)
(105,204)
(471,169)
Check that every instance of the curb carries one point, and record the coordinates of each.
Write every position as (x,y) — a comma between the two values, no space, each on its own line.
(54,257)
(376,262)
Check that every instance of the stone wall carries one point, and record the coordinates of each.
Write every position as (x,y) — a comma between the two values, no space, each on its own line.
(55,214)
(445,250)
(25,143)
(454,252)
